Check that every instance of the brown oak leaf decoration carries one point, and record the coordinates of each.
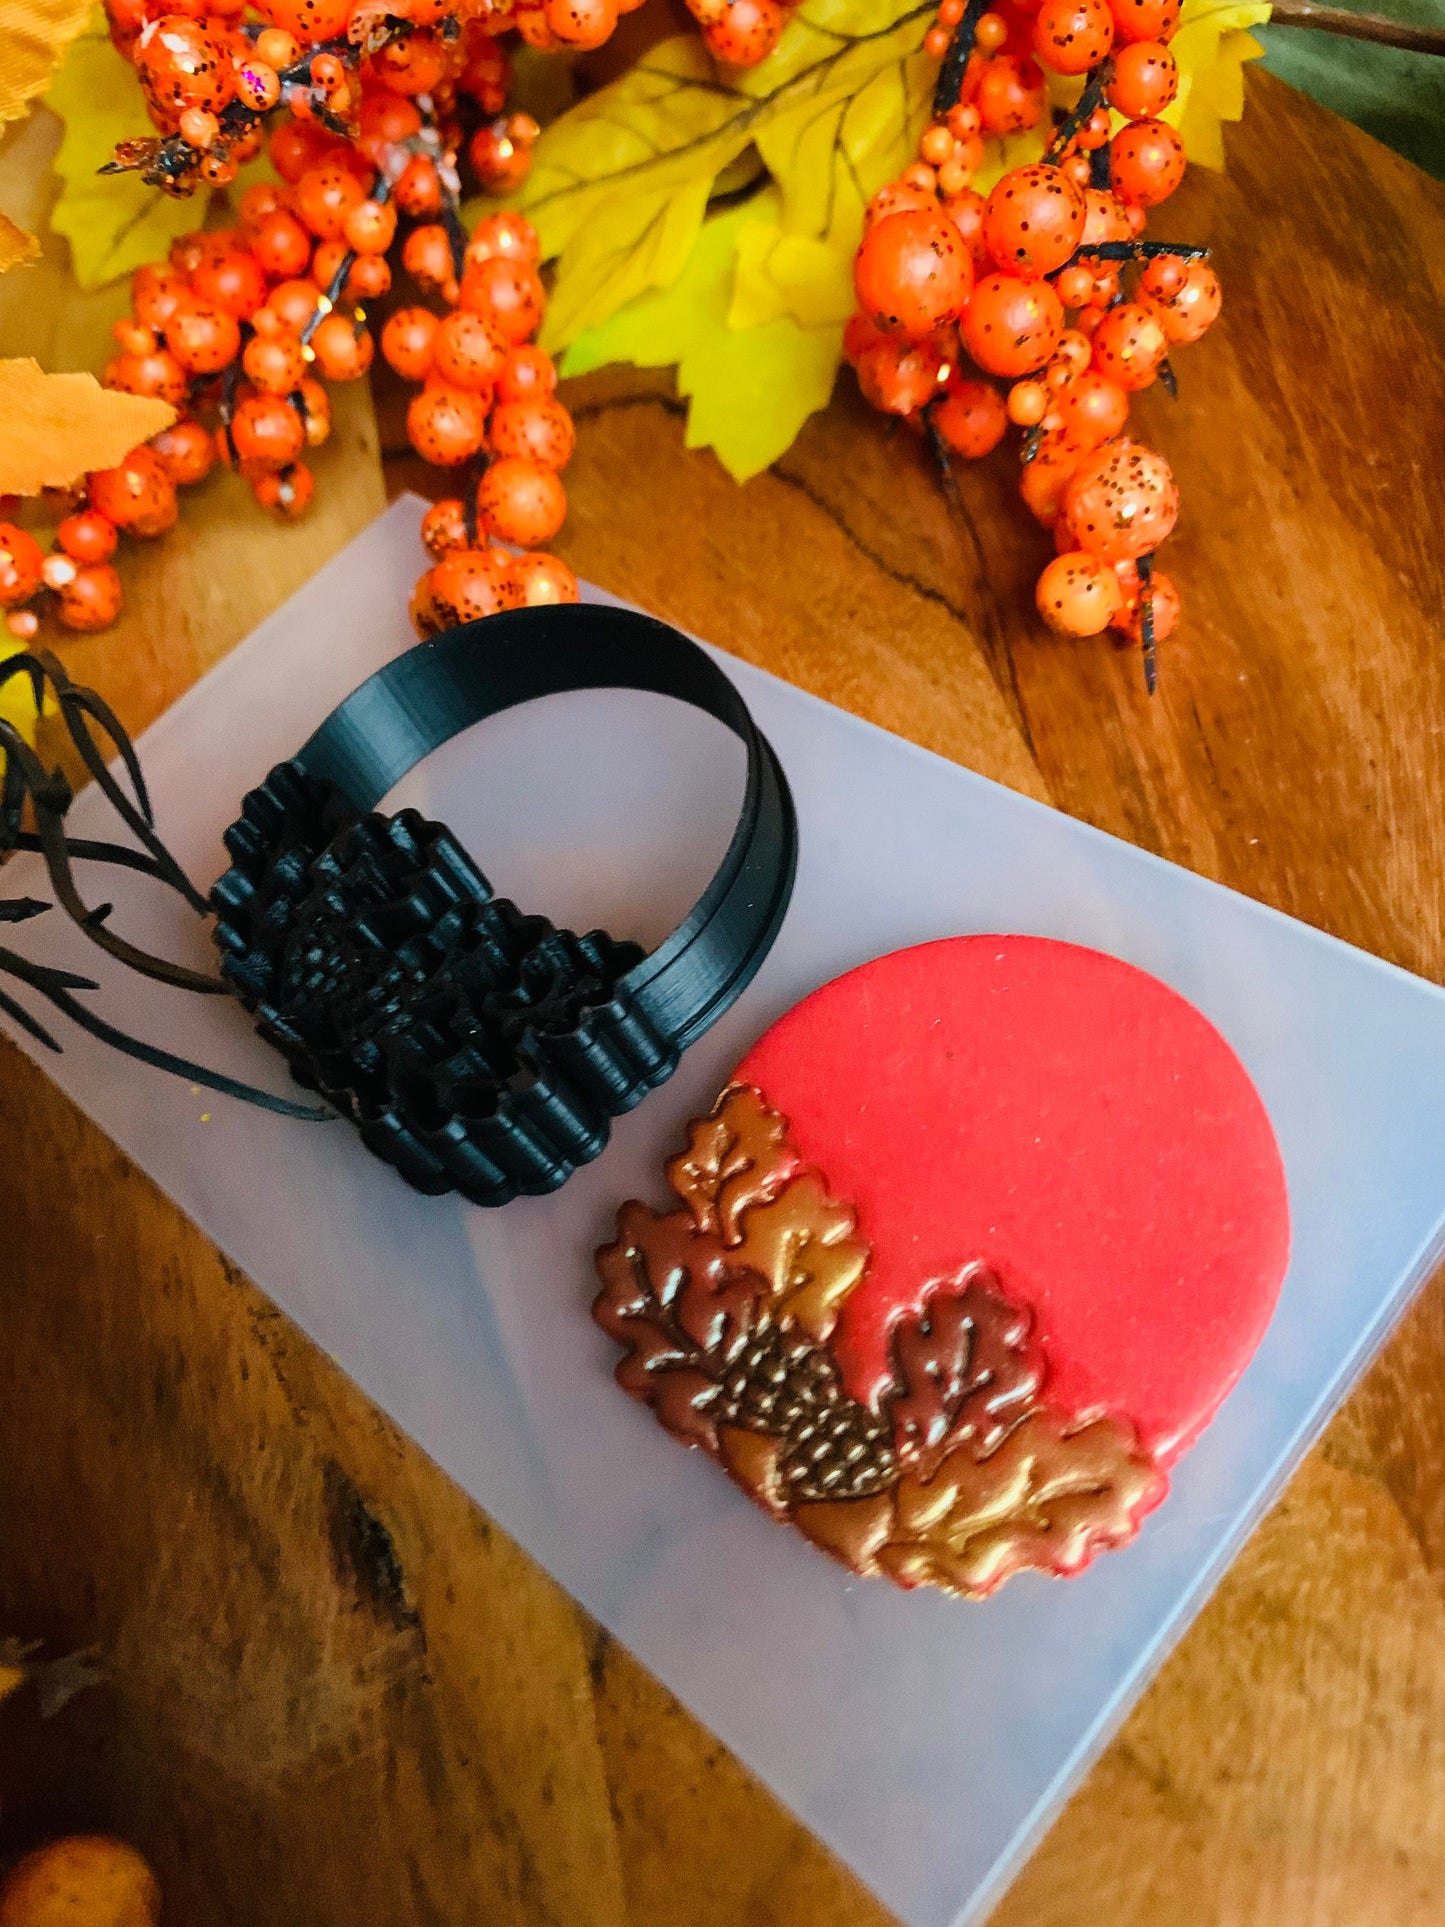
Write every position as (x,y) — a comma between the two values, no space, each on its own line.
(966,1370)
(673,1298)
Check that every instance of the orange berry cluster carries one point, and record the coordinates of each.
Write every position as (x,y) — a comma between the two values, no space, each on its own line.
(964,301)
(487,404)
(210,80)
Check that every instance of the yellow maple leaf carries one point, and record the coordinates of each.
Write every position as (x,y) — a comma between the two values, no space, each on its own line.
(1211,45)
(750,389)
(55,428)
(113,222)
(33,36)
(620,185)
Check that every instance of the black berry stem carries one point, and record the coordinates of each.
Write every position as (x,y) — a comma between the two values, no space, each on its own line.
(1145,566)
(1081,113)
(955,61)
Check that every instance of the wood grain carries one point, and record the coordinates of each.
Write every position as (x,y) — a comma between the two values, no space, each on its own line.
(334,1691)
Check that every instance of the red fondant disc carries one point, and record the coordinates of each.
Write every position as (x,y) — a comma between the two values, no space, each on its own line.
(1071,1122)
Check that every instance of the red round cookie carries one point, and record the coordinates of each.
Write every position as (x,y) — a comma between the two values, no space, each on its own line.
(1072,1123)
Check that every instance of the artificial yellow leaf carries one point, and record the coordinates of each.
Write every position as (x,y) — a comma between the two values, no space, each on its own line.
(55,428)
(619,185)
(33,36)
(16,246)
(750,389)
(113,222)
(17,707)
(1210,47)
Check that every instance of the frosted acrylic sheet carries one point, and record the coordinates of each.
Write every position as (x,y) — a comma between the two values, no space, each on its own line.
(928,1742)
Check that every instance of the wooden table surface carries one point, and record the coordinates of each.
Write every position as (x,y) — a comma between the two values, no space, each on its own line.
(334,1692)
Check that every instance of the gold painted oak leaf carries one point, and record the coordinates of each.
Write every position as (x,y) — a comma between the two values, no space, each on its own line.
(113,222)
(34,34)
(749,390)
(55,428)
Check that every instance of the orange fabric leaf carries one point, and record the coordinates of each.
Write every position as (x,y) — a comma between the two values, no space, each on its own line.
(16,246)
(55,428)
(33,36)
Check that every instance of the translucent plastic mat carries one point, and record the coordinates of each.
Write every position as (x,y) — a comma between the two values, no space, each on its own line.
(928,1742)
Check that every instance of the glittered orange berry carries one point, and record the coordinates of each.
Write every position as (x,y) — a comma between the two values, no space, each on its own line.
(1011,326)
(1046,477)
(746,32)
(202,337)
(499,160)
(185,451)
(508,234)
(182,64)
(1091,409)
(527,374)
(138,494)
(912,274)
(521,501)
(87,536)
(369,279)
(370,226)
(281,246)
(426,255)
(1028,403)
(258,86)
(507,294)
(1129,344)
(467,352)
(406,342)
(899,197)
(899,377)
(1033,220)
(1121,502)
(154,292)
(471,583)
(277,48)
(412,63)
(1145,19)
(1078,594)
(971,418)
(1143,80)
(315,406)
(158,374)
(292,304)
(92,599)
(1010,95)
(444,528)
(286,492)
(417,190)
(267,431)
(386,120)
(1073,36)
(342,351)
(297,145)
(581,24)
(325,195)
(1191,306)
(541,580)
(1165,606)
(234,283)
(446,425)
(541,430)
(1148,161)
(21,563)
(308,20)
